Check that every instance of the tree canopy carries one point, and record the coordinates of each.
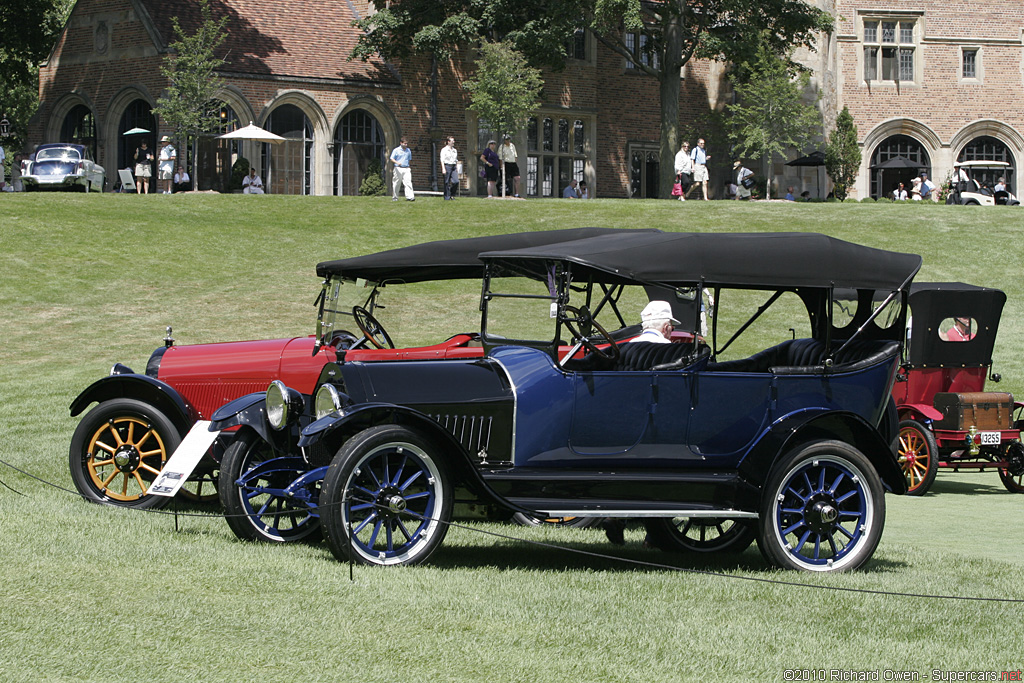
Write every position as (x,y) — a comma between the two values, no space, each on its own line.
(190,103)
(674,32)
(842,154)
(770,114)
(28,30)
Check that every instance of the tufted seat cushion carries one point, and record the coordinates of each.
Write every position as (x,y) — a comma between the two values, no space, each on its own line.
(635,356)
(795,356)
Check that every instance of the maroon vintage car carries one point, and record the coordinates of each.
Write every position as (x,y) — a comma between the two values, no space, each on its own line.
(947,419)
(140,418)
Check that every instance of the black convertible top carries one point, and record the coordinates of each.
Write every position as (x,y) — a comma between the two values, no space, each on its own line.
(754,260)
(933,302)
(449,259)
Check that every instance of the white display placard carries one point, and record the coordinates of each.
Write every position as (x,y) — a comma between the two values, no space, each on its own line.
(184,460)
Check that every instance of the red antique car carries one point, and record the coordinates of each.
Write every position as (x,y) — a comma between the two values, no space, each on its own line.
(947,419)
(121,444)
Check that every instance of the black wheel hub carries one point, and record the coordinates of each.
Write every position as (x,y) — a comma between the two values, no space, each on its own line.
(127,458)
(821,513)
(390,503)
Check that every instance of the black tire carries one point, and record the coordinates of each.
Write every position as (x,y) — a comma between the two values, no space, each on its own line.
(1013,483)
(396,494)
(117,451)
(253,513)
(700,534)
(822,509)
(918,455)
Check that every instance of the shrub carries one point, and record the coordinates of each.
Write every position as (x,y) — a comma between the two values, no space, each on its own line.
(238,172)
(373,181)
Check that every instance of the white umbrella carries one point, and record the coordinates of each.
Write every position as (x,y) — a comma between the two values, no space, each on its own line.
(252,132)
(135,131)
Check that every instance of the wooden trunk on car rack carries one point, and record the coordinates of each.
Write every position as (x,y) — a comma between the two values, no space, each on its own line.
(985,410)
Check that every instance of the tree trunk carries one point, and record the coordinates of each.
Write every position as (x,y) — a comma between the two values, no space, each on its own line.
(668,90)
(195,162)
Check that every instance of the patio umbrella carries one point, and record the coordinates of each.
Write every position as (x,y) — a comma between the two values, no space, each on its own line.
(812,159)
(898,162)
(252,132)
(135,131)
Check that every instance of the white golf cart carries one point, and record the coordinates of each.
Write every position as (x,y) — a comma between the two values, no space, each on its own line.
(972,193)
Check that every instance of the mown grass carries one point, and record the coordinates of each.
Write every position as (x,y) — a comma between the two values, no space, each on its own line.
(100,594)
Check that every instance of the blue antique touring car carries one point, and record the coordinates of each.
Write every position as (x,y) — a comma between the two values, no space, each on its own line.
(712,441)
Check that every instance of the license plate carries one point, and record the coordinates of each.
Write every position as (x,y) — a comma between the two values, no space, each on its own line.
(991,438)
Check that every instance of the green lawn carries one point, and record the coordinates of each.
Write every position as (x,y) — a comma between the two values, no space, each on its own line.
(89,593)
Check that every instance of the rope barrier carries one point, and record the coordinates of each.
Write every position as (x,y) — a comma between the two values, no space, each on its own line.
(554,546)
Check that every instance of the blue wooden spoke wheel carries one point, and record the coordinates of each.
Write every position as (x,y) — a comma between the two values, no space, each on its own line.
(386,498)
(252,488)
(823,509)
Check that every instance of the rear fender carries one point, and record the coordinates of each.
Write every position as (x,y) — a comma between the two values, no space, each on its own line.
(797,429)
(922,412)
(332,431)
(141,388)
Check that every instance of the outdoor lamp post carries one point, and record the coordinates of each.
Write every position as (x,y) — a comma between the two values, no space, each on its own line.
(5,128)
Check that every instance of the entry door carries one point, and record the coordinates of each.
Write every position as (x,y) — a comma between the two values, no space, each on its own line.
(611,411)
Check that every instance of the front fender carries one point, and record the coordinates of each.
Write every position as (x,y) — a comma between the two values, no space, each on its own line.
(249,411)
(143,388)
(331,432)
(802,427)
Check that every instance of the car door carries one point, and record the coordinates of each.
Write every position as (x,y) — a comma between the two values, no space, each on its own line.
(729,411)
(611,411)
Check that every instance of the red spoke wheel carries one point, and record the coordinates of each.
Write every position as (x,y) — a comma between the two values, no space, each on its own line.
(918,455)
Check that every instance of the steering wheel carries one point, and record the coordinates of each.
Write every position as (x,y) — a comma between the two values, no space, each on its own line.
(579,320)
(371,328)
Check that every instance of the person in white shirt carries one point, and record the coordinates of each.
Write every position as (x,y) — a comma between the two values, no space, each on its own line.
(684,169)
(252,184)
(509,158)
(450,167)
(181,180)
(1001,185)
(900,193)
(657,323)
(165,169)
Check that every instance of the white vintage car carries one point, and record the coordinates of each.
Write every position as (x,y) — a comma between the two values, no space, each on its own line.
(62,166)
(972,193)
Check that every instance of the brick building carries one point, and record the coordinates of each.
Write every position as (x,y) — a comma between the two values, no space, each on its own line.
(934,82)
(287,72)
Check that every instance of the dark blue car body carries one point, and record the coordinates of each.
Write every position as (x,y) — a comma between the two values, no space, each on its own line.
(790,445)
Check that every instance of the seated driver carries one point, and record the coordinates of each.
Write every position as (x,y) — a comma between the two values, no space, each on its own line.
(657,322)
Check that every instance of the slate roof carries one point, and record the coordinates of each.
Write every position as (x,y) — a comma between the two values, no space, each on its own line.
(298,38)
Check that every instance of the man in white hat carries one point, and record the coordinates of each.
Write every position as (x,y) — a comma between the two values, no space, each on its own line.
(168,157)
(657,322)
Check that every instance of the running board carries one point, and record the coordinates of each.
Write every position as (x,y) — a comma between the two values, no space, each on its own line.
(548,508)
(674,512)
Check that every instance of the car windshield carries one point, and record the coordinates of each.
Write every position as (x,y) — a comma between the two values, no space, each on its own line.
(58,154)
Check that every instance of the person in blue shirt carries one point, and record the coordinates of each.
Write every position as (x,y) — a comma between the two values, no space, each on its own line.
(401,156)
(570,191)
(789,195)
(699,157)
(927,188)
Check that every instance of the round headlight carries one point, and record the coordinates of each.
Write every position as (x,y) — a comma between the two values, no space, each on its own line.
(284,405)
(327,401)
